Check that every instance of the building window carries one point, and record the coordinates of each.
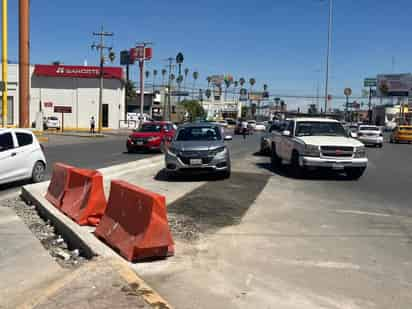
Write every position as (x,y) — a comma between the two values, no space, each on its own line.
(174,109)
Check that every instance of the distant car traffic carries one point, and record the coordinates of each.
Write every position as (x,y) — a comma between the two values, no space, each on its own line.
(401,134)
(251,124)
(151,136)
(51,123)
(198,147)
(309,143)
(370,135)
(230,121)
(260,126)
(223,123)
(21,156)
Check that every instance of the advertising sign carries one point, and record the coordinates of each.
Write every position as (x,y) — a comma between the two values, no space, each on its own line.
(347,92)
(370,82)
(125,57)
(63,109)
(217,79)
(243,95)
(77,71)
(256,96)
(141,53)
(390,85)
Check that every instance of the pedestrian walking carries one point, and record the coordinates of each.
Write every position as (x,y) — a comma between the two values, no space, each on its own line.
(92,125)
(244,126)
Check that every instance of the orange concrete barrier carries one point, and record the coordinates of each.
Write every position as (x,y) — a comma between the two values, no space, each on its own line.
(84,199)
(135,223)
(58,184)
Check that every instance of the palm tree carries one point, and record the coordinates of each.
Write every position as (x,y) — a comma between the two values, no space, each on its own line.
(154,78)
(209,80)
(195,77)
(164,71)
(252,82)
(265,87)
(242,81)
(228,82)
(235,85)
(186,72)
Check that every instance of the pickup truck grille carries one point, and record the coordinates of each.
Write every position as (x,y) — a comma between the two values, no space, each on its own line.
(336,151)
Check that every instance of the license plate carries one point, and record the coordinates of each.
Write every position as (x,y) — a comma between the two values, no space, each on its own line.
(195,161)
(337,166)
(139,143)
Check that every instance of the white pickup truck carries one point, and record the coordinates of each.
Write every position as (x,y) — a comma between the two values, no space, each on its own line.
(308,143)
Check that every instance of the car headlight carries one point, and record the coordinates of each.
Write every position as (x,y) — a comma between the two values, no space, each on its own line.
(216,151)
(360,152)
(311,151)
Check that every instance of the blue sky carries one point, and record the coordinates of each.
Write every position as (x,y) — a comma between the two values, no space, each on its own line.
(281,43)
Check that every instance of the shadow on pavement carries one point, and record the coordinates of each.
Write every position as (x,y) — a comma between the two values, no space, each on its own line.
(13,185)
(219,204)
(325,175)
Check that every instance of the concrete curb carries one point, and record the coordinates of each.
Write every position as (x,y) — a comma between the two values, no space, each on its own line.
(82,237)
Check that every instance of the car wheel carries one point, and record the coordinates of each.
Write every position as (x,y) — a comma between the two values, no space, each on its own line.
(38,172)
(130,150)
(380,145)
(354,173)
(296,169)
(275,160)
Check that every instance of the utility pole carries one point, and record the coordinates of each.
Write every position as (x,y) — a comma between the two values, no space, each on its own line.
(370,106)
(169,85)
(100,48)
(328,54)
(24,63)
(4,61)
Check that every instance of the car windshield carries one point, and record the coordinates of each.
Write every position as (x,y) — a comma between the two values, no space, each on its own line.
(199,134)
(317,128)
(370,128)
(151,128)
(53,118)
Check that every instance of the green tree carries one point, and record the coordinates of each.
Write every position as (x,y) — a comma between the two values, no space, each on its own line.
(194,109)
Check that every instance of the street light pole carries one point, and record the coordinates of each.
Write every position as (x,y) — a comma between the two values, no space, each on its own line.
(328,54)
(100,47)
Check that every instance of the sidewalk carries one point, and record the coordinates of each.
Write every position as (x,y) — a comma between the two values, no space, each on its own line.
(25,266)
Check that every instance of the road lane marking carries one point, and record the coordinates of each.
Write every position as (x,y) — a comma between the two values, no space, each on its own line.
(367,213)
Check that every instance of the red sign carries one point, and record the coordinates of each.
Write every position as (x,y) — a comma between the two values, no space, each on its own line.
(141,53)
(48,104)
(77,71)
(63,109)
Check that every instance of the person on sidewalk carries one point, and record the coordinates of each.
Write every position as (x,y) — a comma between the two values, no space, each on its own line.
(92,125)
(244,126)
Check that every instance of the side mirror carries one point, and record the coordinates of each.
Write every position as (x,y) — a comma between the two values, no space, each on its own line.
(286,133)
(353,134)
(228,138)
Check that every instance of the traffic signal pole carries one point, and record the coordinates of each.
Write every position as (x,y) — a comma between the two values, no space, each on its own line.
(370,106)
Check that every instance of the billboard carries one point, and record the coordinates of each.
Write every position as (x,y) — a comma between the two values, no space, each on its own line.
(217,79)
(256,96)
(394,85)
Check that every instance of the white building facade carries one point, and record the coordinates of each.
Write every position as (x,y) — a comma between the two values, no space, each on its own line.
(76,87)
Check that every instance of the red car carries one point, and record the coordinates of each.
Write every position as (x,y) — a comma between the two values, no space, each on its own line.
(151,136)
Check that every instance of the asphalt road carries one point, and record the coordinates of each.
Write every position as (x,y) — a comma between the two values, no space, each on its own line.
(267,240)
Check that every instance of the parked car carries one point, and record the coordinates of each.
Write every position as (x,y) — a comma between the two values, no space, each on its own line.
(310,143)
(21,156)
(151,136)
(223,123)
(260,126)
(401,134)
(251,124)
(266,139)
(370,135)
(51,123)
(230,121)
(198,147)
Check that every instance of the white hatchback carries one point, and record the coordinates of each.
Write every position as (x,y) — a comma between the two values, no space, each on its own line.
(370,135)
(21,156)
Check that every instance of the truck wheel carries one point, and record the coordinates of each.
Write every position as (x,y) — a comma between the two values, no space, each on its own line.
(296,169)
(354,173)
(275,160)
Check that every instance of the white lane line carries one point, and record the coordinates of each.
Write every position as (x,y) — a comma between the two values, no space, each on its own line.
(367,213)
(320,264)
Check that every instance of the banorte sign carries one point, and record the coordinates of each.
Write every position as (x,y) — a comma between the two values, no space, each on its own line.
(77,71)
